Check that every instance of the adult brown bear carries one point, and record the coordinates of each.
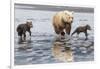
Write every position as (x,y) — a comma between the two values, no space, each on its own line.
(22,28)
(62,22)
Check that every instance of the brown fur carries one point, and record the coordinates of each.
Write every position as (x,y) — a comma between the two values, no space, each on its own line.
(22,28)
(82,29)
(62,21)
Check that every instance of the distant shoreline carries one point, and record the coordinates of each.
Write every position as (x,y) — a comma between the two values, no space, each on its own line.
(53,8)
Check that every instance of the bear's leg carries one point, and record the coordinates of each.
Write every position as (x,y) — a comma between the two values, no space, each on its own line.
(68,29)
(77,34)
(24,36)
(63,33)
(29,32)
(20,35)
(86,35)
(57,31)
(73,33)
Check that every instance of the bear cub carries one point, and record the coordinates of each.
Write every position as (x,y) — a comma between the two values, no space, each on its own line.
(23,28)
(82,29)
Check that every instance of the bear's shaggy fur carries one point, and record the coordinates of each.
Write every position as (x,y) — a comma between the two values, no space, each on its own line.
(62,22)
(22,28)
(83,29)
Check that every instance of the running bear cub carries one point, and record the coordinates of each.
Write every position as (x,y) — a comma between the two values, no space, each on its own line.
(22,28)
(82,29)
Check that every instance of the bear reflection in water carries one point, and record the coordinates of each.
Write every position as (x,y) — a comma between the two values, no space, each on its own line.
(61,51)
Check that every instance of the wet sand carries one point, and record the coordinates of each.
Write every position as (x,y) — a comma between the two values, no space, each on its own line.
(52,50)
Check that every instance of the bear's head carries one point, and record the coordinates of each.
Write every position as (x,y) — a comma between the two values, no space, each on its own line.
(29,24)
(67,17)
(88,27)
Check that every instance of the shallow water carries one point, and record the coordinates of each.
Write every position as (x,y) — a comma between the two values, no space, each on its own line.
(45,47)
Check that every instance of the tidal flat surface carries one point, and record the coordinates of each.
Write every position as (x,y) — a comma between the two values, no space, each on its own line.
(44,47)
